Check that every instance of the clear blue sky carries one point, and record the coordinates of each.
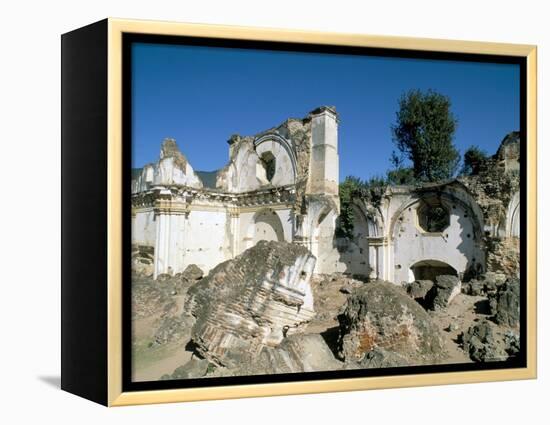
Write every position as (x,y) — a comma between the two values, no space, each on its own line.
(202,95)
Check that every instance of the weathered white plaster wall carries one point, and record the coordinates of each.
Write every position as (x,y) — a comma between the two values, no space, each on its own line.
(144,228)
(455,245)
(207,240)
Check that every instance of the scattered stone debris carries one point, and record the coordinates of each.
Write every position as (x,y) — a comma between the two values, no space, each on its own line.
(484,343)
(505,303)
(453,327)
(190,276)
(143,258)
(441,294)
(252,301)
(379,357)
(173,328)
(511,339)
(194,368)
(419,289)
(330,293)
(381,315)
(152,298)
(484,285)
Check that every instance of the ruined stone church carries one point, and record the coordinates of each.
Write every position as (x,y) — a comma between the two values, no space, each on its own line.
(282,184)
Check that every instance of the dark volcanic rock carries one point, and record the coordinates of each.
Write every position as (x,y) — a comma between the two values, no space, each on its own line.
(192,273)
(484,285)
(474,287)
(445,288)
(481,343)
(252,301)
(194,368)
(511,340)
(380,315)
(419,289)
(505,303)
(379,357)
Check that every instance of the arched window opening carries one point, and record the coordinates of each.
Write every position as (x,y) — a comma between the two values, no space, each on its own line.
(268,162)
(433,217)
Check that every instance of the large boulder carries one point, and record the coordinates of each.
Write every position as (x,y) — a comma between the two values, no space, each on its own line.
(505,303)
(381,316)
(251,302)
(440,295)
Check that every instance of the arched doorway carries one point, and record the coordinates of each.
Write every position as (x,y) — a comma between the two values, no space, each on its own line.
(266,226)
(430,269)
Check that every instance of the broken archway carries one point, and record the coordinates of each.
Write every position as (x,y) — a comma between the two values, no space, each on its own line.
(266,226)
(430,269)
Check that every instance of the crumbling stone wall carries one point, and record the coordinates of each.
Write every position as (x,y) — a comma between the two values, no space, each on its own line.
(188,221)
(496,190)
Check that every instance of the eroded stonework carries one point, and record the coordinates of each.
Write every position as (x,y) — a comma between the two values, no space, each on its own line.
(280,185)
(251,302)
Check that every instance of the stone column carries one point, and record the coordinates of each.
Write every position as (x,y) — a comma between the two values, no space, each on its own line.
(324,154)
(378,254)
(373,268)
(170,216)
(162,243)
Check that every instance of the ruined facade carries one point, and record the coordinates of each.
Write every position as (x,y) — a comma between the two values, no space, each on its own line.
(282,185)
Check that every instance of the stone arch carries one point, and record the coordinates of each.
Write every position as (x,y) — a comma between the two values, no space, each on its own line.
(265,225)
(449,198)
(371,216)
(513,217)
(429,269)
(459,245)
(284,158)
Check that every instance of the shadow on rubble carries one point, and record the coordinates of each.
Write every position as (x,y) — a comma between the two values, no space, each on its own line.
(331,339)
(482,307)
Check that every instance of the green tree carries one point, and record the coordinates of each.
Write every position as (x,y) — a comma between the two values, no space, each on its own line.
(423,133)
(474,158)
(399,175)
(352,188)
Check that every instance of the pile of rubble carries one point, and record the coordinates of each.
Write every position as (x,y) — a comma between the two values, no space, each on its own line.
(264,313)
